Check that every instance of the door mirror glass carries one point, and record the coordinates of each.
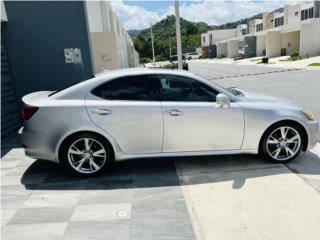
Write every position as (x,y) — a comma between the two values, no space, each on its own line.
(223,100)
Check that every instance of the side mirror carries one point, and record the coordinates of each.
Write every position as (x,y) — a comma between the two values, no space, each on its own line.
(223,100)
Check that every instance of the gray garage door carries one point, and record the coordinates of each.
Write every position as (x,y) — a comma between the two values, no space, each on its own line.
(10,119)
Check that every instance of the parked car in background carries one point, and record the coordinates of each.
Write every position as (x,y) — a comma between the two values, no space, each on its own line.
(193,55)
(240,54)
(174,62)
(135,113)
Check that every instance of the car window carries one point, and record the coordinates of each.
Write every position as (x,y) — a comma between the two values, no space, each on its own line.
(135,88)
(182,89)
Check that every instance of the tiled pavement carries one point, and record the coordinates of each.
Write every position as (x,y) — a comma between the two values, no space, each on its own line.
(139,199)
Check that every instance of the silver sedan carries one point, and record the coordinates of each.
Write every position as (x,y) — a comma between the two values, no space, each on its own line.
(136,113)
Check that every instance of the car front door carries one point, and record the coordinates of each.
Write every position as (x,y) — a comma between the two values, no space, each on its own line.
(192,119)
(129,110)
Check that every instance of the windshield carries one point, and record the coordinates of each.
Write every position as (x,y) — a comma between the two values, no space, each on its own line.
(61,89)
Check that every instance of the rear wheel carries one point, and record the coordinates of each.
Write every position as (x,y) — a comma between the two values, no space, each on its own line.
(86,154)
(282,142)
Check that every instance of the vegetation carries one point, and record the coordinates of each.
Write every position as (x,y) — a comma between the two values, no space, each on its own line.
(163,32)
(316,64)
(294,54)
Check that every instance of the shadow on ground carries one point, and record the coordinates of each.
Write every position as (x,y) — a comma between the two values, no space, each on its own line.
(162,172)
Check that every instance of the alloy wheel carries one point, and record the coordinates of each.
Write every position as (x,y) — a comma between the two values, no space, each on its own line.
(87,155)
(283,143)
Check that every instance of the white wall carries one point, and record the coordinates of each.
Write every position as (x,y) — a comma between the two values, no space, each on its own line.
(310,39)
(204,40)
(273,44)
(261,44)
(233,48)
(222,50)
(220,35)
(290,41)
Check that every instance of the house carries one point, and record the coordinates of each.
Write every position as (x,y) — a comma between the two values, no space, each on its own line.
(296,28)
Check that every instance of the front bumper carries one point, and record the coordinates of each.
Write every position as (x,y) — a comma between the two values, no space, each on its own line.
(313,130)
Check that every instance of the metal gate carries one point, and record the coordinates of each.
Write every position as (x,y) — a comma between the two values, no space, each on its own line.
(10,119)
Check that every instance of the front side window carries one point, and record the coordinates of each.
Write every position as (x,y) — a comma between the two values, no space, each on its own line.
(182,89)
(134,88)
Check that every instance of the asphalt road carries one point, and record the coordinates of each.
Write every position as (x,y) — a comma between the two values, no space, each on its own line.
(302,86)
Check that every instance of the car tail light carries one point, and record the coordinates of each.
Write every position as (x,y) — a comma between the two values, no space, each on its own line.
(27,112)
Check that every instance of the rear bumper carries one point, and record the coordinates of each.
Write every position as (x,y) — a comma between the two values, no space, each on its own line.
(37,145)
(313,129)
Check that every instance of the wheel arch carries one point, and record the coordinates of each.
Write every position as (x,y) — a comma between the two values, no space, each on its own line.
(67,136)
(305,138)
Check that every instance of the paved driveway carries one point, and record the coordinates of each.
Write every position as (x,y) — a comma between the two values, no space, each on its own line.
(218,197)
(140,199)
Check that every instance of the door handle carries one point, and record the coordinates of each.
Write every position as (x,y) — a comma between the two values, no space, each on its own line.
(101,111)
(175,112)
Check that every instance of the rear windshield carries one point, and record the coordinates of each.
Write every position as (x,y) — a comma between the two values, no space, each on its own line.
(59,90)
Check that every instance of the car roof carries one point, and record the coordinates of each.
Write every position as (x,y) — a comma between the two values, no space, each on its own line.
(138,71)
(100,78)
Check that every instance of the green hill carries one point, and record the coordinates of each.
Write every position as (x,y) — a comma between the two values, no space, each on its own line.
(190,33)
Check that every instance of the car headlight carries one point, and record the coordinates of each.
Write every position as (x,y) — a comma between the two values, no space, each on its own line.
(308,115)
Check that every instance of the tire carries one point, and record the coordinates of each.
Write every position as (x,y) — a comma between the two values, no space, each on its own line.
(282,142)
(92,151)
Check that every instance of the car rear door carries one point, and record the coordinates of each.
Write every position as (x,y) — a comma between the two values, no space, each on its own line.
(129,110)
(192,119)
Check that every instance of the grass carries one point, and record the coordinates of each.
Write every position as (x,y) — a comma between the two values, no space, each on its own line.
(316,64)
(265,63)
(256,60)
(292,59)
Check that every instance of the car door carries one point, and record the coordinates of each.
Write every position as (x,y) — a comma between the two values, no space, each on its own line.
(192,119)
(129,110)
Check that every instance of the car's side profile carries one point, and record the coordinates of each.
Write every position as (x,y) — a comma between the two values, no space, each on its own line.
(137,113)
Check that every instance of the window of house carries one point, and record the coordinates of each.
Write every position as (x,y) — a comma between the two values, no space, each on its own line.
(204,39)
(244,31)
(182,89)
(278,21)
(306,14)
(259,27)
(210,39)
(134,88)
(296,13)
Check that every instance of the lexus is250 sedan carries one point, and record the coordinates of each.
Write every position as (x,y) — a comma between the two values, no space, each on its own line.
(137,113)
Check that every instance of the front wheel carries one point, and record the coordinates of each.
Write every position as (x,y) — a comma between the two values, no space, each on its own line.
(282,143)
(86,154)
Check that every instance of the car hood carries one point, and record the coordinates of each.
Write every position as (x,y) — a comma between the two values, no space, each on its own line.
(263,98)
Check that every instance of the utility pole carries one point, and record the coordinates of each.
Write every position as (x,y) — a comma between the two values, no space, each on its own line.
(153,58)
(170,53)
(178,35)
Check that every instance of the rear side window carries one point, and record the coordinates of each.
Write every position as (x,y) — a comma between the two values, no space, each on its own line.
(134,88)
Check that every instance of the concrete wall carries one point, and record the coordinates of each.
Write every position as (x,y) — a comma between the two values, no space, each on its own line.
(220,35)
(222,50)
(290,15)
(36,34)
(268,20)
(204,40)
(104,55)
(273,44)
(261,45)
(310,39)
(233,48)
(290,41)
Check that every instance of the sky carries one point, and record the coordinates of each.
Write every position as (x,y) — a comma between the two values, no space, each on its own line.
(140,14)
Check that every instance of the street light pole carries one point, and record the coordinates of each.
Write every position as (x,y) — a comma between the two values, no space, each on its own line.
(170,46)
(153,58)
(178,35)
